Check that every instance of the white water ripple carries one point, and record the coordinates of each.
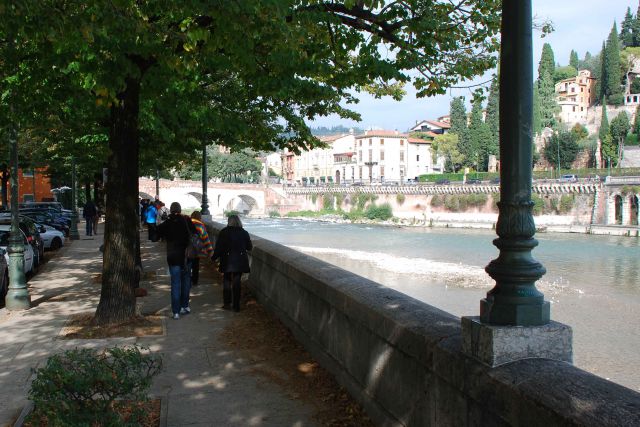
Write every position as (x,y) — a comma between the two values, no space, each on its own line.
(447,273)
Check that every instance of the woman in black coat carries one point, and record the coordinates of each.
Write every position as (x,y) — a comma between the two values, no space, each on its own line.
(231,247)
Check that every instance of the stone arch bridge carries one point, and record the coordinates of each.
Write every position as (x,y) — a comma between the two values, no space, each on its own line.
(248,199)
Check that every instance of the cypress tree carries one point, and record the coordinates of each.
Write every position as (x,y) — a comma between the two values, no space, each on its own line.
(635,29)
(548,104)
(474,139)
(573,60)
(493,117)
(604,123)
(602,75)
(547,61)
(536,124)
(612,80)
(458,115)
(626,30)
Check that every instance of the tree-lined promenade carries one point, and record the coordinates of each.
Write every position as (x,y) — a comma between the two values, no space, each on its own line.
(135,86)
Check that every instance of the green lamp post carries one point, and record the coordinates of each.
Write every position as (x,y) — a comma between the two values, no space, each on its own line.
(514,300)
(17,296)
(73,232)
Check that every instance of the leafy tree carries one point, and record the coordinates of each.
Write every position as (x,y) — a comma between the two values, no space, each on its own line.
(446,145)
(573,59)
(566,72)
(619,130)
(564,144)
(636,122)
(612,79)
(547,62)
(169,76)
(609,153)
(628,59)
(579,132)
(626,30)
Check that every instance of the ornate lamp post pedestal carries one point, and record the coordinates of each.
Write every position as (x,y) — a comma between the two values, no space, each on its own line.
(514,321)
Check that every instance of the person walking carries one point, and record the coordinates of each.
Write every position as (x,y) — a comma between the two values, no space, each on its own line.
(176,231)
(231,247)
(206,248)
(150,215)
(89,212)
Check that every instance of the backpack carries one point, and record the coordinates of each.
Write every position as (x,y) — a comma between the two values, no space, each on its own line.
(195,246)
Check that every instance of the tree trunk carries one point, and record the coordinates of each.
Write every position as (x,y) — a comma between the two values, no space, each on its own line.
(117,299)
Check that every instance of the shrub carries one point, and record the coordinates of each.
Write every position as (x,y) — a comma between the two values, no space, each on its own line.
(80,386)
(339,200)
(314,198)
(451,203)
(327,201)
(566,203)
(437,201)
(229,213)
(538,204)
(274,214)
(400,198)
(382,212)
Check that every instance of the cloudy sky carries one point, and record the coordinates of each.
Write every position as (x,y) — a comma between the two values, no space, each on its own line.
(581,25)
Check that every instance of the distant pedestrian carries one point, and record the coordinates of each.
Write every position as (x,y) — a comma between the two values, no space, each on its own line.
(89,212)
(96,220)
(177,231)
(143,210)
(231,247)
(150,215)
(163,213)
(206,246)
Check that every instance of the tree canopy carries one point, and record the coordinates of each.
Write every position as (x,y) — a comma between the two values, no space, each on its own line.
(151,81)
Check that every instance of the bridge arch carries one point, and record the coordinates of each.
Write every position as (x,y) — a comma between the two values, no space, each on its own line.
(242,203)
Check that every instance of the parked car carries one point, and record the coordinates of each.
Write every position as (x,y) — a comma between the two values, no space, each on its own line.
(474,181)
(568,178)
(495,180)
(4,276)
(53,239)
(5,231)
(443,181)
(44,217)
(30,230)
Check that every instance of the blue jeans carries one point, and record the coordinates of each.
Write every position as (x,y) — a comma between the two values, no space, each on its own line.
(180,286)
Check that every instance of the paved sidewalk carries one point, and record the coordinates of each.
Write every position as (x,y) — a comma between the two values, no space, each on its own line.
(203,382)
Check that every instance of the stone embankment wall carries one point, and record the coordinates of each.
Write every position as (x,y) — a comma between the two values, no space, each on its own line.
(402,359)
(416,206)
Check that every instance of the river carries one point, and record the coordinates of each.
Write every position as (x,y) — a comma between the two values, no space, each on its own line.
(591,281)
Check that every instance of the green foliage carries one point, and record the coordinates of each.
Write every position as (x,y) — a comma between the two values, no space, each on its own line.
(382,212)
(447,146)
(579,132)
(460,202)
(635,85)
(636,121)
(362,199)
(538,204)
(547,62)
(274,214)
(536,123)
(310,214)
(603,130)
(452,203)
(564,144)
(458,114)
(492,120)
(626,30)
(437,200)
(573,59)
(231,212)
(632,139)
(548,105)
(437,176)
(565,72)
(566,203)
(400,198)
(613,74)
(339,200)
(314,198)
(79,387)
(327,201)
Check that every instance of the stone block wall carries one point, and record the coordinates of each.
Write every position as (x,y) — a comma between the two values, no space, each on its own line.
(402,359)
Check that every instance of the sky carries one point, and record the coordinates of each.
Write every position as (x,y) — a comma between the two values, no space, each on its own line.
(581,25)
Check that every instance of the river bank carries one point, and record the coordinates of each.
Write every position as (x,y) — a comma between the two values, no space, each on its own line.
(544,223)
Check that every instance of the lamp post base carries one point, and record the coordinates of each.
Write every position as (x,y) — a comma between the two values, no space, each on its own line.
(496,345)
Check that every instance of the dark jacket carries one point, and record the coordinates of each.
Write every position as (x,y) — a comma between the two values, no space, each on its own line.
(176,230)
(231,247)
